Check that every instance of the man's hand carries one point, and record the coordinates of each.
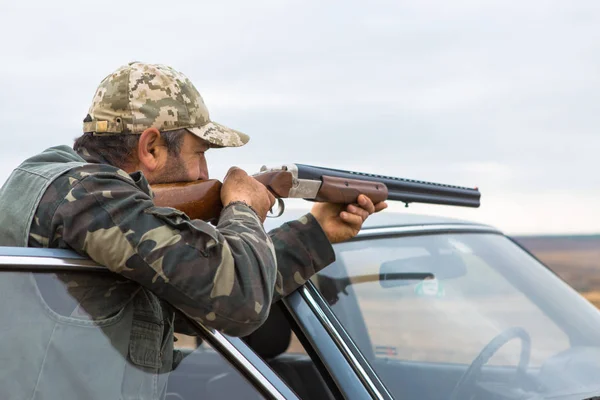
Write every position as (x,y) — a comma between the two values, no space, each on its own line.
(342,222)
(238,186)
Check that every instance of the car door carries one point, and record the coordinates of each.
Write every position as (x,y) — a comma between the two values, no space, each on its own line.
(39,358)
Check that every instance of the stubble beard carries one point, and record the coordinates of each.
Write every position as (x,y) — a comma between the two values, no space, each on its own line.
(173,171)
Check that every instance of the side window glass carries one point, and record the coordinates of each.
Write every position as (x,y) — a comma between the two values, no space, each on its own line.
(204,373)
(90,336)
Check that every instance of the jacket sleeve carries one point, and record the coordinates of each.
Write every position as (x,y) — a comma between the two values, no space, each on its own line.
(223,277)
(302,249)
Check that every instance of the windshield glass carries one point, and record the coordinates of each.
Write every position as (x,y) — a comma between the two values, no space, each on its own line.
(472,313)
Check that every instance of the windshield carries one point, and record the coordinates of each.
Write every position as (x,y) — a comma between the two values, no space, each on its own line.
(464,315)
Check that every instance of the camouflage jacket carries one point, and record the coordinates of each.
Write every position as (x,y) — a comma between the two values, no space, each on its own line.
(225,277)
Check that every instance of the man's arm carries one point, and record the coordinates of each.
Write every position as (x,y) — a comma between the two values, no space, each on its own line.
(223,277)
(302,249)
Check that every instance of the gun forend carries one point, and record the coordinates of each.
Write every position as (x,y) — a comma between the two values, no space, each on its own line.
(284,184)
(346,191)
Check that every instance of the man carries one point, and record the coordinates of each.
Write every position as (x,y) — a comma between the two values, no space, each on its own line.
(147,124)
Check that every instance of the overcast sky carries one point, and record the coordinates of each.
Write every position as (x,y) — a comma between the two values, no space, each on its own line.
(503,96)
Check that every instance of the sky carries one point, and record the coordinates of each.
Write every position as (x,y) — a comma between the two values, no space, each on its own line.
(502,95)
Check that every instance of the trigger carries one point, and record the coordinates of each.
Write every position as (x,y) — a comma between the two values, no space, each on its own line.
(279,207)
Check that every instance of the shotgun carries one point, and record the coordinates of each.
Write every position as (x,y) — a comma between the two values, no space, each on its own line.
(202,199)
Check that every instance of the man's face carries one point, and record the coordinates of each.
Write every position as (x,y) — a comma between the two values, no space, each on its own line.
(188,165)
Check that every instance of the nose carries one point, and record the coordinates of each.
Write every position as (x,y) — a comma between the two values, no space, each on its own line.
(203,172)
(203,169)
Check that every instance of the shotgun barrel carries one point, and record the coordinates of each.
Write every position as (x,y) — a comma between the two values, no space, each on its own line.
(401,189)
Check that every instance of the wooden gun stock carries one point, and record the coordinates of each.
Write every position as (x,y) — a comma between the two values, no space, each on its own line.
(198,199)
(279,183)
(202,199)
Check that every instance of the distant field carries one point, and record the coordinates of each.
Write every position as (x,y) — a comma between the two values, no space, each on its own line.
(576,259)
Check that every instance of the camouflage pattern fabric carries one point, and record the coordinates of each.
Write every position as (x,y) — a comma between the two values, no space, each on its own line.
(225,277)
(138,96)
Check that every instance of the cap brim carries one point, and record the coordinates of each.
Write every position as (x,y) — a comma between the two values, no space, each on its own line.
(219,135)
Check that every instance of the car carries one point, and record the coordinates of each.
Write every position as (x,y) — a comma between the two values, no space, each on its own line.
(415,307)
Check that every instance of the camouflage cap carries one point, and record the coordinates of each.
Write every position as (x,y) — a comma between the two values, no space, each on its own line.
(138,96)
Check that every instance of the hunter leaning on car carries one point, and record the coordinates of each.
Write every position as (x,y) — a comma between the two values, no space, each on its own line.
(147,124)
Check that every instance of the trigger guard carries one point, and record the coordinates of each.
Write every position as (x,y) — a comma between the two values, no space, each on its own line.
(280,208)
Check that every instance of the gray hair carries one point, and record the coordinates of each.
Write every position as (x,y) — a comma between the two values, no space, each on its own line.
(119,150)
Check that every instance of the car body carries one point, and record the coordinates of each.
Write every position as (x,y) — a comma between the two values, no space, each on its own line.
(415,307)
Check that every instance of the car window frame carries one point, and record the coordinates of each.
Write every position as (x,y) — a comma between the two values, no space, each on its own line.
(330,341)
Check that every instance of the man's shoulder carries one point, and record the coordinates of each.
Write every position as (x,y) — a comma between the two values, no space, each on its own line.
(71,166)
(92,175)
(87,189)
(89,178)
(89,171)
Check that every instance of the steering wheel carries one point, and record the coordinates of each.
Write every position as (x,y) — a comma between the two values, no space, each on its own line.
(472,373)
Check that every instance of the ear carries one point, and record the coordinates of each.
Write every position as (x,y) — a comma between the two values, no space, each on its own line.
(151,151)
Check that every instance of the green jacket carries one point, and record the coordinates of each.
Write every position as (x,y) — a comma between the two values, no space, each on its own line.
(224,276)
